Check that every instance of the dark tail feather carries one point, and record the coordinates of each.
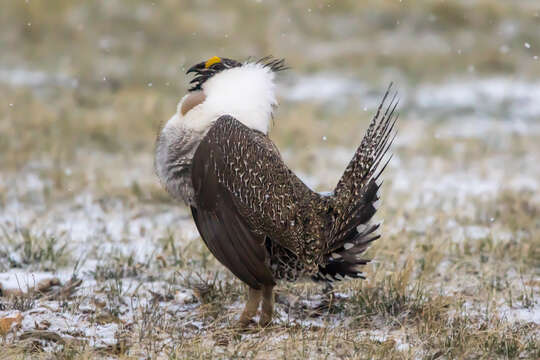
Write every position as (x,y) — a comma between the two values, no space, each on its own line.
(356,196)
(344,257)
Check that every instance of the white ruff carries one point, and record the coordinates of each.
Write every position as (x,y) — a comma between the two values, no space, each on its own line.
(246,93)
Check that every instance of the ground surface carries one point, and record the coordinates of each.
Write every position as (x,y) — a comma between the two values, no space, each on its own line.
(96,261)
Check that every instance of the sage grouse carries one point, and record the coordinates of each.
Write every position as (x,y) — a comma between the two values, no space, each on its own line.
(253,213)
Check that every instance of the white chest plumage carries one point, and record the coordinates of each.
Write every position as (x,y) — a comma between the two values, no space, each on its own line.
(247,93)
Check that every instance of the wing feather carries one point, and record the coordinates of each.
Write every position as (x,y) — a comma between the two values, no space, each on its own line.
(239,203)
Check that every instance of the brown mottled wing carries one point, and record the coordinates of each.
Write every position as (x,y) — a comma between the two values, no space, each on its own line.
(245,193)
(221,227)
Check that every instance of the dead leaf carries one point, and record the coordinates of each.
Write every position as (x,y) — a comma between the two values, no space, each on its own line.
(106,318)
(389,344)
(42,335)
(6,323)
(162,260)
(11,292)
(100,304)
(45,284)
(160,297)
(65,291)
(44,325)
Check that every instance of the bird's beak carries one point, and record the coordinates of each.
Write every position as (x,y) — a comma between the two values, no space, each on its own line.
(196,68)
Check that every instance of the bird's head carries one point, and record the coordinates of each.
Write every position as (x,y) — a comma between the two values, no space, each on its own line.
(207,69)
(221,86)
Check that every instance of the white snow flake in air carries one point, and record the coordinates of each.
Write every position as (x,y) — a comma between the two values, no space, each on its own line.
(504,49)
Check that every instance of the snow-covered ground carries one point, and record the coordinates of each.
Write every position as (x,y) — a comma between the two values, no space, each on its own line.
(116,244)
(96,261)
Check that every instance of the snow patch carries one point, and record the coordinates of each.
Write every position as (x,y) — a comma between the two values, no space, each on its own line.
(521,315)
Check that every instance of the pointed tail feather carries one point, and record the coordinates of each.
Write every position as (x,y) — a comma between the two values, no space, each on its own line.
(347,260)
(356,197)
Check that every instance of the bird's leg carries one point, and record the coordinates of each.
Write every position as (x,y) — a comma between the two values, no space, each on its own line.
(252,304)
(267,305)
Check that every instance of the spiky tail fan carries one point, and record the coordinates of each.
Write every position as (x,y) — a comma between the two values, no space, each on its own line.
(354,201)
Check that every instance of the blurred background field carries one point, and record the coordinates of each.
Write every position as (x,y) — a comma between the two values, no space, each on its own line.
(84,87)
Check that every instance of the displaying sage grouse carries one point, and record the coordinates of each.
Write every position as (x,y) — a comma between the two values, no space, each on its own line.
(254,214)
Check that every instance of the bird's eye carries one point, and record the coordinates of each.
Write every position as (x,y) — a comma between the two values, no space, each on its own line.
(192,100)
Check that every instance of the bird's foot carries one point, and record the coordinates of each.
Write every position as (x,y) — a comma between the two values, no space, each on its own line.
(265,319)
(252,304)
(243,324)
(267,308)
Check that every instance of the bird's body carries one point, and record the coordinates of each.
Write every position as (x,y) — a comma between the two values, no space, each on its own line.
(254,214)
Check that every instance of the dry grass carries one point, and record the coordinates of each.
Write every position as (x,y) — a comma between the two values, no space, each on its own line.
(456,274)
